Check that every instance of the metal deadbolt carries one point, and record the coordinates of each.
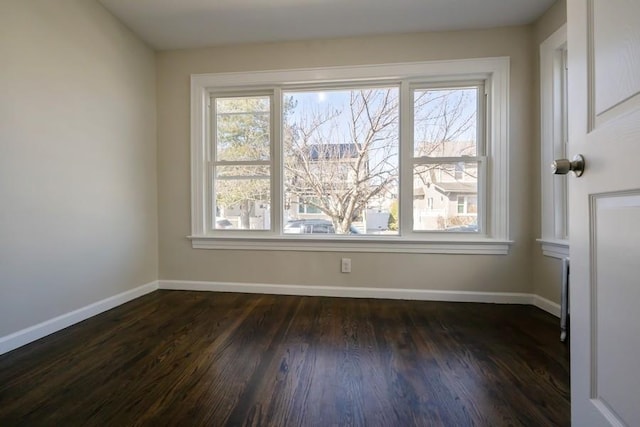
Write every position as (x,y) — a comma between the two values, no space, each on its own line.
(564,166)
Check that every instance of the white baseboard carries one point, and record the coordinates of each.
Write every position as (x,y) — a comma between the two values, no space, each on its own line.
(35,332)
(350,292)
(546,305)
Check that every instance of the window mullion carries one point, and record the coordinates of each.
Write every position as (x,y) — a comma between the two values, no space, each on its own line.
(277,184)
(406,160)
(210,155)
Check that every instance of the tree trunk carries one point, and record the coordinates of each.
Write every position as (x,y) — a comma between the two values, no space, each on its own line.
(245,218)
(343,227)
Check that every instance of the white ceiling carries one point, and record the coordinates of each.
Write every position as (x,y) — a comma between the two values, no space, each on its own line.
(175,24)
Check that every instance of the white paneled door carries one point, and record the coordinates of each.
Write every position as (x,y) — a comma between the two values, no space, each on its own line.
(604,126)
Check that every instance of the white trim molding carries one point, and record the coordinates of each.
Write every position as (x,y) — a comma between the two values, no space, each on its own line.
(553,138)
(358,292)
(35,332)
(546,305)
(484,246)
(554,248)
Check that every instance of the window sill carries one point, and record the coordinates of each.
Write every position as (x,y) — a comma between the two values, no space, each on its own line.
(554,248)
(479,246)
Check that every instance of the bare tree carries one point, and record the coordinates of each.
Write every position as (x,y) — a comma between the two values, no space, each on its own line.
(445,126)
(342,158)
(338,161)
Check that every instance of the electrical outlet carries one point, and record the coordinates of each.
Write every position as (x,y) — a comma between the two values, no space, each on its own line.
(346,265)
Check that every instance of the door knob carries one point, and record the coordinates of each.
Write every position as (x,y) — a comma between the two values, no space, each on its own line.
(564,166)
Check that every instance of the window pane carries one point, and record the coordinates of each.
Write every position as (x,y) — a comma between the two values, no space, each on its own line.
(341,161)
(445,197)
(445,122)
(243,128)
(243,197)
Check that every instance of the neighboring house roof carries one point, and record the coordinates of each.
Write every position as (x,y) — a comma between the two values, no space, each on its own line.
(446,148)
(457,187)
(333,151)
(448,187)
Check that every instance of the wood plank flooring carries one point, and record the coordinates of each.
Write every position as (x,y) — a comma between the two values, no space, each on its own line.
(224,359)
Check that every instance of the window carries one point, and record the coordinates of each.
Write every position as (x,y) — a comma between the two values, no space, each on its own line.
(459,171)
(241,160)
(448,148)
(381,158)
(553,120)
(341,147)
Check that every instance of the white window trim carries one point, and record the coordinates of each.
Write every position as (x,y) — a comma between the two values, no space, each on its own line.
(554,248)
(494,240)
(408,158)
(552,141)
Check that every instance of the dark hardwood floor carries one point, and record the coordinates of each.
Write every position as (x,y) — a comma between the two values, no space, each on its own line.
(198,358)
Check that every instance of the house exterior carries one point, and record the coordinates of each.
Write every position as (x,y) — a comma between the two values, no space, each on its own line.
(445,196)
(445,205)
(332,167)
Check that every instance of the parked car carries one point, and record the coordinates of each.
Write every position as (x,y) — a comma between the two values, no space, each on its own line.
(223,223)
(313,226)
(471,228)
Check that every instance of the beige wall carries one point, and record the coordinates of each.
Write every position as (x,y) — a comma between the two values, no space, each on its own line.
(510,273)
(547,272)
(548,23)
(79,207)
(78,190)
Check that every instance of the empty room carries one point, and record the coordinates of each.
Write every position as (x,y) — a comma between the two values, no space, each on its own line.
(319,212)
